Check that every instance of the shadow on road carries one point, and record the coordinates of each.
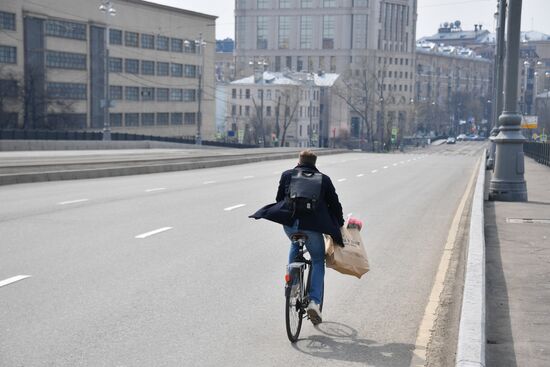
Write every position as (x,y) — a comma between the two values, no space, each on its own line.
(340,342)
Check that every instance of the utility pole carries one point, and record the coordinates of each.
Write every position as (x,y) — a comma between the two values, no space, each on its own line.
(106,8)
(508,183)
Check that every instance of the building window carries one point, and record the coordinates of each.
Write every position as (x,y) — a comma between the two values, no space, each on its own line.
(148,41)
(247,110)
(268,94)
(115,92)
(147,94)
(8,55)
(247,94)
(360,3)
(176,44)
(115,65)
(299,63)
(163,43)
(307,3)
(176,118)
(189,95)
(115,37)
(268,111)
(233,110)
(176,70)
(163,68)
(359,31)
(131,119)
(147,119)
(7,21)
(284,4)
(329,3)
(261,32)
(131,39)
(240,32)
(132,93)
(115,119)
(190,71)
(234,93)
(76,91)
(284,32)
(63,29)
(65,60)
(263,4)
(190,47)
(163,118)
(190,118)
(9,88)
(329,25)
(289,62)
(131,66)
(306,31)
(148,67)
(176,95)
(162,94)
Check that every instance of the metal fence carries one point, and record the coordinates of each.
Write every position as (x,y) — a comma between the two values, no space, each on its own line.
(92,135)
(538,151)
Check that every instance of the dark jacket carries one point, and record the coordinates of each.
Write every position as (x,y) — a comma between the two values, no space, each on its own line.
(327,217)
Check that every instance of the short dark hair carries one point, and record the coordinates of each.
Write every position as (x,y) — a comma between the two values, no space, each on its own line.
(308,157)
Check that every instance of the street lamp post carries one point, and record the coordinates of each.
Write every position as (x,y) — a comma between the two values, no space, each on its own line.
(106,8)
(201,44)
(508,183)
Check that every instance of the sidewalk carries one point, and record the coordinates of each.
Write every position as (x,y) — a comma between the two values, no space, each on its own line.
(518,276)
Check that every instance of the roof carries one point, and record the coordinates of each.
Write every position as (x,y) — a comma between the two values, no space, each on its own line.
(291,78)
(172,9)
(446,50)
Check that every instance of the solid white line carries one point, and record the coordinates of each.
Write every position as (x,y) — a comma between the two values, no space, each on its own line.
(73,201)
(374,171)
(157,189)
(234,207)
(360,175)
(248,177)
(342,179)
(152,233)
(13,279)
(208,182)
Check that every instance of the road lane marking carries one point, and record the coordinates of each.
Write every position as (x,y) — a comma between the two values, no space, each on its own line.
(13,280)
(430,314)
(234,207)
(386,167)
(208,182)
(73,201)
(402,162)
(374,171)
(156,189)
(152,233)
(248,177)
(342,179)
(360,175)
(395,164)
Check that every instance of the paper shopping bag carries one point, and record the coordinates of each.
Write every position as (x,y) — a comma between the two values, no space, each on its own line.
(350,259)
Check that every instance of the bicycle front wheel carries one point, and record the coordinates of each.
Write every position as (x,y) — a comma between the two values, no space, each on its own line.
(293,316)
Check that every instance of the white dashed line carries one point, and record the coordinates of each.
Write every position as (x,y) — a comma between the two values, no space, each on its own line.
(13,280)
(360,175)
(248,177)
(208,182)
(152,233)
(386,167)
(402,162)
(73,201)
(234,207)
(374,171)
(395,164)
(157,189)
(342,179)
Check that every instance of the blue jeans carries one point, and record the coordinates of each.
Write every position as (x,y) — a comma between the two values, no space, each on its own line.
(316,247)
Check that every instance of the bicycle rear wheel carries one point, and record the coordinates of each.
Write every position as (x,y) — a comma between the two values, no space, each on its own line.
(294,314)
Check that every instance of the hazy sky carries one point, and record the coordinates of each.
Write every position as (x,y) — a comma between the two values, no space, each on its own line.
(431,13)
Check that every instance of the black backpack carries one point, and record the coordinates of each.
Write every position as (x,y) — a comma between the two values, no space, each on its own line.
(304,191)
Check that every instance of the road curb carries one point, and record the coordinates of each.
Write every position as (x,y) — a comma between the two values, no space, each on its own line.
(471,336)
(154,167)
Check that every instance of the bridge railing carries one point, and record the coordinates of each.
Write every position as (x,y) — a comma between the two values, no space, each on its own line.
(540,152)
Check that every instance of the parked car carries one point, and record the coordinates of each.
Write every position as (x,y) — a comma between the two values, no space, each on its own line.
(451,140)
(461,137)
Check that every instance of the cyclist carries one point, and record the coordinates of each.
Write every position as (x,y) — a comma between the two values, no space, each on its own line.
(326,217)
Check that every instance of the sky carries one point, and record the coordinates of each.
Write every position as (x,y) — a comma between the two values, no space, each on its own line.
(431,13)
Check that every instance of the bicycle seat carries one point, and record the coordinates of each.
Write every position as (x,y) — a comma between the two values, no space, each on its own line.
(298,237)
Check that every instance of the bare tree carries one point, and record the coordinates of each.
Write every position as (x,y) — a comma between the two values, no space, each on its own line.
(11,93)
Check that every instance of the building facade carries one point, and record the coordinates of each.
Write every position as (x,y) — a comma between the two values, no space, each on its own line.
(334,36)
(452,88)
(55,50)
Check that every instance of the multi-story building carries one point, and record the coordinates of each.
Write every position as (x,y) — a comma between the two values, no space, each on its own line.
(290,109)
(336,36)
(55,50)
(452,85)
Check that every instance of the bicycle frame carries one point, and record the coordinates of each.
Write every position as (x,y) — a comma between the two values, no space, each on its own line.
(296,272)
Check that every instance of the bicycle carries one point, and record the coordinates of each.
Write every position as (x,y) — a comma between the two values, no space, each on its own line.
(296,292)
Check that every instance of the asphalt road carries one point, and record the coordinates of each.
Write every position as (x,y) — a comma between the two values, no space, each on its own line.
(167,270)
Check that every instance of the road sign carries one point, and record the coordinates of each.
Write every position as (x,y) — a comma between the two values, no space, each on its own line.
(544,138)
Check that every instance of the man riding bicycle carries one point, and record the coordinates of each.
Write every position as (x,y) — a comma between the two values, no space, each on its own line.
(311,217)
